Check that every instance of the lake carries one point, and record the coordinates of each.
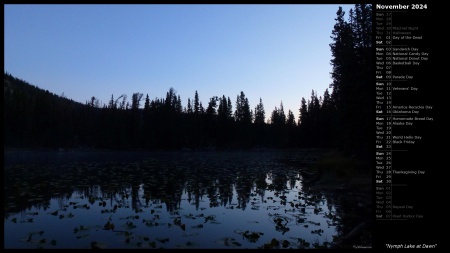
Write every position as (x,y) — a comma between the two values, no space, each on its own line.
(121,200)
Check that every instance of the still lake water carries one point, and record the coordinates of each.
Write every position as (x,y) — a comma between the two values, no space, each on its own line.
(166,200)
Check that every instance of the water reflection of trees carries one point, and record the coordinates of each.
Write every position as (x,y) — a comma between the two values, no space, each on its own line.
(27,186)
(164,182)
(225,184)
(151,181)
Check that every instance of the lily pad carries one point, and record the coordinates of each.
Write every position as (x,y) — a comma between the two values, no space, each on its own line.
(229,242)
(97,245)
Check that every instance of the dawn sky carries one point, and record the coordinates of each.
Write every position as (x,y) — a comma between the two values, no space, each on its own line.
(276,52)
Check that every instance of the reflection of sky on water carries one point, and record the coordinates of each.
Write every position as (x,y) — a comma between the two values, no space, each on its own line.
(75,226)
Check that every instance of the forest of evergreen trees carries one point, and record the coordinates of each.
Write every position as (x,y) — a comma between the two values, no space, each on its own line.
(341,119)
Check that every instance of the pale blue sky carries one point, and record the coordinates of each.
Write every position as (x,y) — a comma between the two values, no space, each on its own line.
(276,52)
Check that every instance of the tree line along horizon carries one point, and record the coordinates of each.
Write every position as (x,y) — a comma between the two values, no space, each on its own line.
(342,119)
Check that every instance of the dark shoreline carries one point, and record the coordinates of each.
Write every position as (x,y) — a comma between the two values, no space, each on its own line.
(15,156)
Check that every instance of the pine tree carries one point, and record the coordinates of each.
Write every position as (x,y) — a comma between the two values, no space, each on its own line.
(135,100)
(147,103)
(189,107)
(303,112)
(351,79)
(260,114)
(278,117)
(242,113)
(178,107)
(225,124)
(229,111)
(196,104)
(111,102)
(211,109)
(222,110)
(290,119)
